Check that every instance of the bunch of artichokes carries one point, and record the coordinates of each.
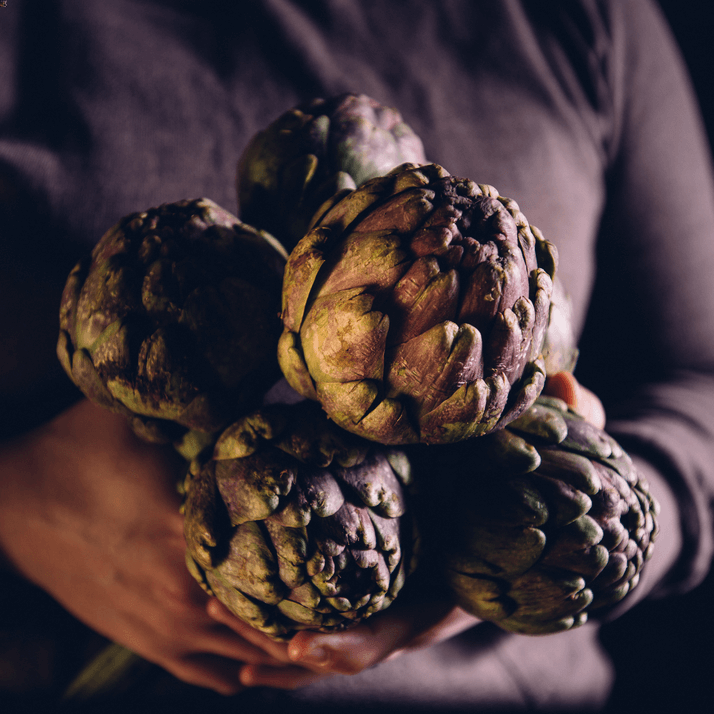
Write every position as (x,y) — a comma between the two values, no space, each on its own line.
(415,317)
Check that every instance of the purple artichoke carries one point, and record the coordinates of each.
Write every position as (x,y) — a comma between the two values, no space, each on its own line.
(172,319)
(295,524)
(539,524)
(415,309)
(314,151)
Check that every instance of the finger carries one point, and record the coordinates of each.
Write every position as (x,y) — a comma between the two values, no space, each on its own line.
(272,650)
(562,385)
(353,651)
(287,677)
(370,642)
(591,408)
(565,386)
(225,642)
(207,671)
(184,625)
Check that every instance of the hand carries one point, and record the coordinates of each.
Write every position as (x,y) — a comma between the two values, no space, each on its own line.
(405,625)
(564,386)
(89,513)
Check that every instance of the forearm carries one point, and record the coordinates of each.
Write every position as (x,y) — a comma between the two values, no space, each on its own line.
(647,348)
(91,515)
(668,426)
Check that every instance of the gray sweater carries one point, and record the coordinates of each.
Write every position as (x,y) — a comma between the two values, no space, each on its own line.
(581,111)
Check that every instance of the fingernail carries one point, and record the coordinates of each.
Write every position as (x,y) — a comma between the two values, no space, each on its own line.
(246,676)
(213,608)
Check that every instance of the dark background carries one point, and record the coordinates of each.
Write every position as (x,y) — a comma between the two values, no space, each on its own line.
(664,651)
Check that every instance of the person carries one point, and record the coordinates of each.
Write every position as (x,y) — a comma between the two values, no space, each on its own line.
(581,111)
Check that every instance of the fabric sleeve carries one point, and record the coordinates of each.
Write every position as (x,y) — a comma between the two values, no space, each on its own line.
(648,343)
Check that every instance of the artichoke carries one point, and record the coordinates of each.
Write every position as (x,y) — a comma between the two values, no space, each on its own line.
(415,309)
(560,351)
(295,524)
(173,319)
(315,150)
(540,523)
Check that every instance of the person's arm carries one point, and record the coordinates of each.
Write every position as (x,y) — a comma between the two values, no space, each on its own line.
(648,345)
(90,514)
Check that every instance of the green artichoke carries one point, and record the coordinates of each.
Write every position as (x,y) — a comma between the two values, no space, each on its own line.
(295,524)
(173,319)
(416,307)
(312,152)
(540,523)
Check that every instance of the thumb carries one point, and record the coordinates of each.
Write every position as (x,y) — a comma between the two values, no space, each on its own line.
(351,651)
(372,641)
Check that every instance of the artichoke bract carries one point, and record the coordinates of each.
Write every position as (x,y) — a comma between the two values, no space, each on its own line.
(560,351)
(312,152)
(172,319)
(295,524)
(416,307)
(543,522)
